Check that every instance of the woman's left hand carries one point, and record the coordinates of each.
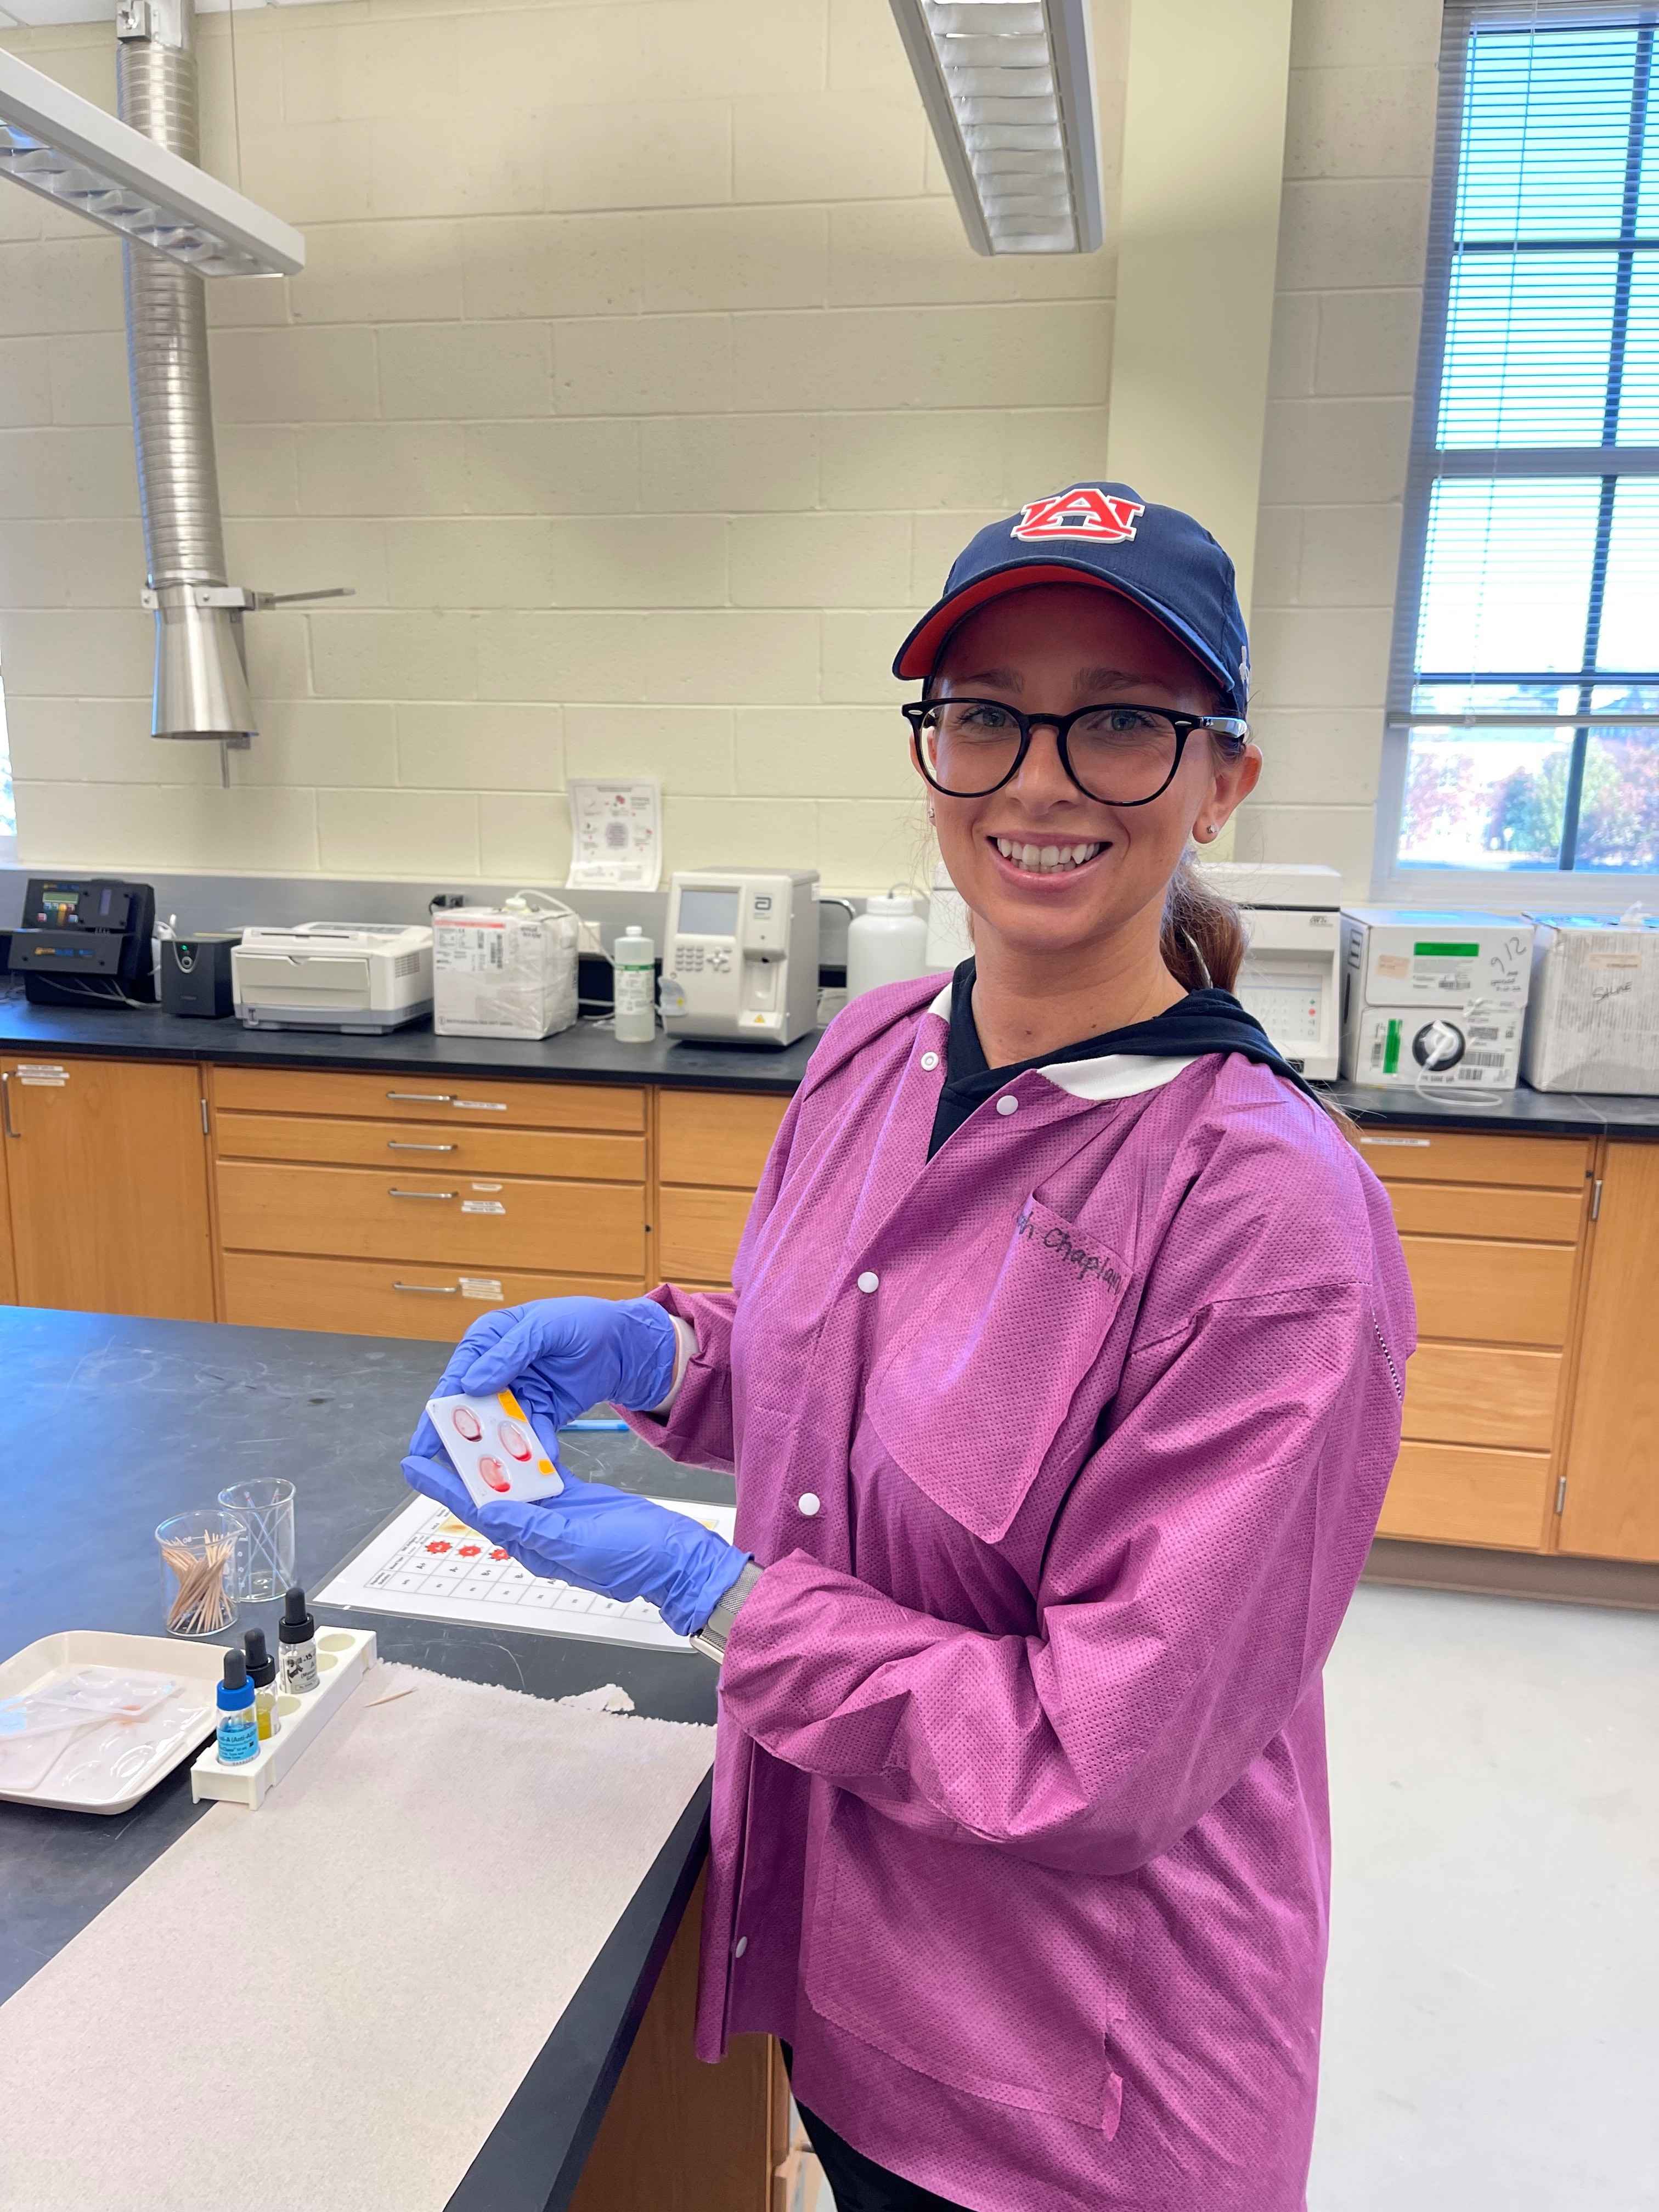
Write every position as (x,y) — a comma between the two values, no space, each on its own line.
(603,1540)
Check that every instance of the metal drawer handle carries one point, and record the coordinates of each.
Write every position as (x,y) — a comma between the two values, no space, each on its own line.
(392,1191)
(5,1102)
(431,1290)
(448,1098)
(395,1144)
(1424,1141)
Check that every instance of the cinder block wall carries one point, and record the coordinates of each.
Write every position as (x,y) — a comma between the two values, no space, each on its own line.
(1358,157)
(641,385)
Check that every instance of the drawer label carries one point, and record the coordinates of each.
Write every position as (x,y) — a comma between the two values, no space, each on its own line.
(484,1287)
(482,1206)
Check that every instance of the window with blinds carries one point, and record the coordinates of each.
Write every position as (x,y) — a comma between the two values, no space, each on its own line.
(1524,692)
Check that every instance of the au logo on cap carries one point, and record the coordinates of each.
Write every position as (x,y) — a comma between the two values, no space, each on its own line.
(1086,511)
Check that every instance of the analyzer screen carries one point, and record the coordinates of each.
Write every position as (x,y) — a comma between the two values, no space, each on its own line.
(705,913)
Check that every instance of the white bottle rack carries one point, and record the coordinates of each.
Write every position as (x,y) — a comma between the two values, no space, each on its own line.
(344,1656)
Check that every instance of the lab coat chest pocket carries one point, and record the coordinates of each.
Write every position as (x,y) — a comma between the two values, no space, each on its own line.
(970,1400)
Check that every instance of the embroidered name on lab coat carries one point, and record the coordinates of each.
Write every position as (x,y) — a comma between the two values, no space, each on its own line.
(1058,1241)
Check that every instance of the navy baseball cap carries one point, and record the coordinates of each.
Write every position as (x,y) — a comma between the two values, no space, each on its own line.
(1104,534)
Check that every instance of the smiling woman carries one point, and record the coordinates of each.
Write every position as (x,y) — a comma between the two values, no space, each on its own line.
(1063,818)
(1060,1377)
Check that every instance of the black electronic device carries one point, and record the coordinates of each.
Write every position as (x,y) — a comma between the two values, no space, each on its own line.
(85,942)
(196,976)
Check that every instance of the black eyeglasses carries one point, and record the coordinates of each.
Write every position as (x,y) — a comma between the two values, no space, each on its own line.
(1122,755)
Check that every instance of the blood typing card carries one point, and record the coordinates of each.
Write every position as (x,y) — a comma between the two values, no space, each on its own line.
(495,1450)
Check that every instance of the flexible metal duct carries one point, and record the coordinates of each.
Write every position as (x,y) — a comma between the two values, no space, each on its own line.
(201,681)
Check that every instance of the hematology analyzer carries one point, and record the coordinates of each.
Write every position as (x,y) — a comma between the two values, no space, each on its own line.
(1290,979)
(741,957)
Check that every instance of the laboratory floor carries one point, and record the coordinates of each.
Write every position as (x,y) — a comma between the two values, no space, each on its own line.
(1492,2016)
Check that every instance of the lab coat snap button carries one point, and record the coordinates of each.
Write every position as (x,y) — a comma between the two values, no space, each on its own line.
(810,1504)
(929,1061)
(1007,1105)
(868,1281)
(740,1947)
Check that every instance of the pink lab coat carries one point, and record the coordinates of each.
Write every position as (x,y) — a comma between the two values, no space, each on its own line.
(1020,1829)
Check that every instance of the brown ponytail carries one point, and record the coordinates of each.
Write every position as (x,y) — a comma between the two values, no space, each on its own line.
(1202,942)
(1202,939)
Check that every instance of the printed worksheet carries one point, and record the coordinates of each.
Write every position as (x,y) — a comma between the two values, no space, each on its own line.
(428,1564)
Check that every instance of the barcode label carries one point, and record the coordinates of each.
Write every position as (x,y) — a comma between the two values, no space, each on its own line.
(1484,1060)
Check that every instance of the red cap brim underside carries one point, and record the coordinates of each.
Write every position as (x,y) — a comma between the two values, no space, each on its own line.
(919,655)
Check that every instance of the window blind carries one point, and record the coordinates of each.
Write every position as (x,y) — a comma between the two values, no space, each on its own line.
(1525,680)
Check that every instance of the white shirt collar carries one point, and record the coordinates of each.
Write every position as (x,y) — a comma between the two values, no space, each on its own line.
(1114,1075)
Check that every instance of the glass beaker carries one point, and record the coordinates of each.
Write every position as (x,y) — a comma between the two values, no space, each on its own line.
(200,1567)
(265,1563)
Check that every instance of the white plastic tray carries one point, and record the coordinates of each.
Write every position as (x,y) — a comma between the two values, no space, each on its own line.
(344,1656)
(81,1783)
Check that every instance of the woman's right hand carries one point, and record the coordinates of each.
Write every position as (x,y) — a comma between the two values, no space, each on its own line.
(560,1356)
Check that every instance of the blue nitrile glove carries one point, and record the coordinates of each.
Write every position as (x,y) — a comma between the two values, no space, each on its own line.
(559,1356)
(599,1539)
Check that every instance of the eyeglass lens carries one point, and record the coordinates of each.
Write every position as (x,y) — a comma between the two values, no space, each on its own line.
(1120,754)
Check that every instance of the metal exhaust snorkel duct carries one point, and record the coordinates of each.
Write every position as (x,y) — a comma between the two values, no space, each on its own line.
(201,671)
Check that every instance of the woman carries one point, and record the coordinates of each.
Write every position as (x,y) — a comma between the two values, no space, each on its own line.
(1061,1380)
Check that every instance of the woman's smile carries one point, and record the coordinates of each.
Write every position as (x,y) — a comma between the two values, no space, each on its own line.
(1030,860)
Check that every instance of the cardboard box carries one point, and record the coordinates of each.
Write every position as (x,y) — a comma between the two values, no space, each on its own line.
(1593,1015)
(1433,1001)
(500,974)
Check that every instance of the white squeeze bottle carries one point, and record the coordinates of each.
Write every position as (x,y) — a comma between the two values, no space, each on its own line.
(886,944)
(634,976)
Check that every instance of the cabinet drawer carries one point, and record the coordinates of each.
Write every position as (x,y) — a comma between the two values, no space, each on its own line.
(1473,1394)
(572,1155)
(1489,1293)
(698,1233)
(353,1213)
(375,1297)
(1453,1494)
(1462,1156)
(1461,1209)
(437,1097)
(718,1137)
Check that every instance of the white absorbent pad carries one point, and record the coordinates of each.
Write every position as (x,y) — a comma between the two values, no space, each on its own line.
(328,2002)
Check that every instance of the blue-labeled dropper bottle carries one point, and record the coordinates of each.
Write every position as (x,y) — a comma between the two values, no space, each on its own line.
(239,1726)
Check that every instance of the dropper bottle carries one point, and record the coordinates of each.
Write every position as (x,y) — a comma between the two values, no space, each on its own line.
(262,1673)
(296,1639)
(239,1731)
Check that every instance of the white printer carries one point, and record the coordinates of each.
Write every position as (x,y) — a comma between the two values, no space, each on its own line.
(362,979)
(1289,979)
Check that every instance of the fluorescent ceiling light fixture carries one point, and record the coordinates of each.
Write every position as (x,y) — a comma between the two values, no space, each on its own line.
(1009,87)
(64,148)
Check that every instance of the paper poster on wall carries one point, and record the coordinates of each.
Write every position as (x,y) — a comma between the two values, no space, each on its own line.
(616,833)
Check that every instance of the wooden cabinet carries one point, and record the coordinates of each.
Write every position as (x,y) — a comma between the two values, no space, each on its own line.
(1493,1229)
(679,2136)
(390,1207)
(711,1152)
(1611,1508)
(107,1187)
